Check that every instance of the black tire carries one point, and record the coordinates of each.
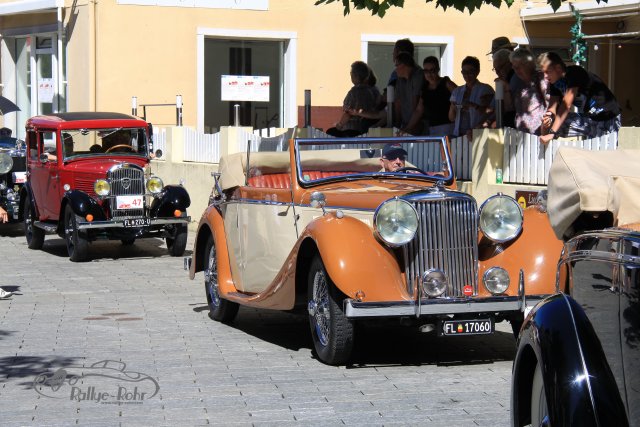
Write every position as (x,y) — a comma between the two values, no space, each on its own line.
(331,331)
(77,245)
(220,309)
(539,408)
(177,244)
(128,242)
(34,235)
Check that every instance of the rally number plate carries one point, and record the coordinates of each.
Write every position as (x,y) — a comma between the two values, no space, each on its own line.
(129,202)
(137,222)
(466,327)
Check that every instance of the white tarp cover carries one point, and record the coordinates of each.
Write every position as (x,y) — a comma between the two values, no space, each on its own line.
(593,181)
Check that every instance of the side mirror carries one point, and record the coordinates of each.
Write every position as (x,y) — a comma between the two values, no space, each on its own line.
(158,153)
(318,200)
(44,158)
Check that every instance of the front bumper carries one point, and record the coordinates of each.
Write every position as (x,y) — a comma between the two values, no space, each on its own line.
(120,223)
(443,306)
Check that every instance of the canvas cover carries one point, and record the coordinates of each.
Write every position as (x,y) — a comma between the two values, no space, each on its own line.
(233,168)
(593,181)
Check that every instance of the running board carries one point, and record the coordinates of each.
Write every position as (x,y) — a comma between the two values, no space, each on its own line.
(49,228)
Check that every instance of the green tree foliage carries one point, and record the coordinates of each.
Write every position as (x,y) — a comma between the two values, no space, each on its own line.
(380,7)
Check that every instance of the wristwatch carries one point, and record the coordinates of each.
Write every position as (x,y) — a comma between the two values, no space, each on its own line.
(553,132)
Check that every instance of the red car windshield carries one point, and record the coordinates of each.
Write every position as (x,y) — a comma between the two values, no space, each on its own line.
(104,142)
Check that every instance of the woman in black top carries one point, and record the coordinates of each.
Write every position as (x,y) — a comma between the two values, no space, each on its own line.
(431,116)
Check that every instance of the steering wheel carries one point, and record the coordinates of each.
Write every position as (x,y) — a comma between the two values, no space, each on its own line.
(408,169)
(128,147)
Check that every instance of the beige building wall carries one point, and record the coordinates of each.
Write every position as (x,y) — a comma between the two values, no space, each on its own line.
(151,51)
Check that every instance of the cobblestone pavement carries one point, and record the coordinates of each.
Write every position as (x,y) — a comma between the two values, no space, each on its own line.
(135,306)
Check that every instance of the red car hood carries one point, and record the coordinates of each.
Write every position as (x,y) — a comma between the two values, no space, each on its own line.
(100,165)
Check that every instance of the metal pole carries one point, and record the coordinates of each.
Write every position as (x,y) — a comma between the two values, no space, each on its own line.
(236,115)
(178,110)
(134,105)
(307,108)
(390,96)
(499,99)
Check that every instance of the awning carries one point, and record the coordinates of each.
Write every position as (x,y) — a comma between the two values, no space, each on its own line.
(29,6)
(614,9)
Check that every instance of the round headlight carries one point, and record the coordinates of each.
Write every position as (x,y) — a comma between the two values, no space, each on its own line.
(496,280)
(102,187)
(500,218)
(396,222)
(434,283)
(154,185)
(6,163)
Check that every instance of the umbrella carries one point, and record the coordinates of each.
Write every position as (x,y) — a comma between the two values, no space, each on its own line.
(7,106)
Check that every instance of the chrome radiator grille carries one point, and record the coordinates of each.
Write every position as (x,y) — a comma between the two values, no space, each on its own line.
(126,181)
(447,240)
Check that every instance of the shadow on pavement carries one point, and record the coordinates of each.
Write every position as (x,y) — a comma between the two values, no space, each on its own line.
(101,250)
(11,230)
(379,344)
(29,367)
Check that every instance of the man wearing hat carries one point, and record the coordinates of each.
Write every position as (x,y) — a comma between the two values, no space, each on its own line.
(501,42)
(393,157)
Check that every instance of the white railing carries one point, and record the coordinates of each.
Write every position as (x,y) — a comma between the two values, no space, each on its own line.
(201,147)
(160,140)
(527,161)
(461,157)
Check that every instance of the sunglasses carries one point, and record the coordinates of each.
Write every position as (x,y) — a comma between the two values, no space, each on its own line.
(400,157)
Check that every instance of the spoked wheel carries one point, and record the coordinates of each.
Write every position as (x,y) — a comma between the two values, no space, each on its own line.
(77,245)
(331,331)
(177,244)
(220,309)
(539,410)
(34,235)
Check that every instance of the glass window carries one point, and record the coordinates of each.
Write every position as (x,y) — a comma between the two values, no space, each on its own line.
(380,58)
(243,58)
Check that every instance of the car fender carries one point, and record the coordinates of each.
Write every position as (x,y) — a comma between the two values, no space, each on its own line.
(536,251)
(358,264)
(26,196)
(212,224)
(579,385)
(82,205)
(172,197)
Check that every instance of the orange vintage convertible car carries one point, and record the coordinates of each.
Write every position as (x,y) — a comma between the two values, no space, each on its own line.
(354,229)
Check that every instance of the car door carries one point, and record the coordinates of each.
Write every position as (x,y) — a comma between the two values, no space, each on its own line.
(44,178)
(630,323)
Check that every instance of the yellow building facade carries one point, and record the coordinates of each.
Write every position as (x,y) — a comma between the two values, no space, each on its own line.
(64,55)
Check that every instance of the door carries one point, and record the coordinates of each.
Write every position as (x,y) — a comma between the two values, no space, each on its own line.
(45,182)
(630,325)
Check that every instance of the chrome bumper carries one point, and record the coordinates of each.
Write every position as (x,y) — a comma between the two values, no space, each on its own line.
(120,223)
(355,309)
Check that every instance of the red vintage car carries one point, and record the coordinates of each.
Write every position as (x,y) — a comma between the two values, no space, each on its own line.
(87,179)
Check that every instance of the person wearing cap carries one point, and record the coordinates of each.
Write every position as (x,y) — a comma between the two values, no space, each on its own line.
(501,42)
(393,157)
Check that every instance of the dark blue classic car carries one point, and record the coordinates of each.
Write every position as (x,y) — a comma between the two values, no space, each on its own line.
(13,174)
(578,357)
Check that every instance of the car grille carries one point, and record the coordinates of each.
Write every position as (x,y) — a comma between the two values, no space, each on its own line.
(447,240)
(127,180)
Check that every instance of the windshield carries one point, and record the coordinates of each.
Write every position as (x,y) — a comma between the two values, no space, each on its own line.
(104,142)
(8,142)
(413,157)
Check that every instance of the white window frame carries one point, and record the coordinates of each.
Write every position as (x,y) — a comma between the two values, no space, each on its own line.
(447,43)
(289,107)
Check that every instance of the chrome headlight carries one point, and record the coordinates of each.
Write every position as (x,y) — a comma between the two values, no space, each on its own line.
(501,218)
(154,185)
(102,187)
(6,163)
(396,222)
(496,280)
(434,283)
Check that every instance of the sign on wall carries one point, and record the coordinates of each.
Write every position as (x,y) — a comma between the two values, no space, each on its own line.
(244,88)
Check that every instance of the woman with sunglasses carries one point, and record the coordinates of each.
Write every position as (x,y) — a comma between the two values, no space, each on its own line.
(431,116)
